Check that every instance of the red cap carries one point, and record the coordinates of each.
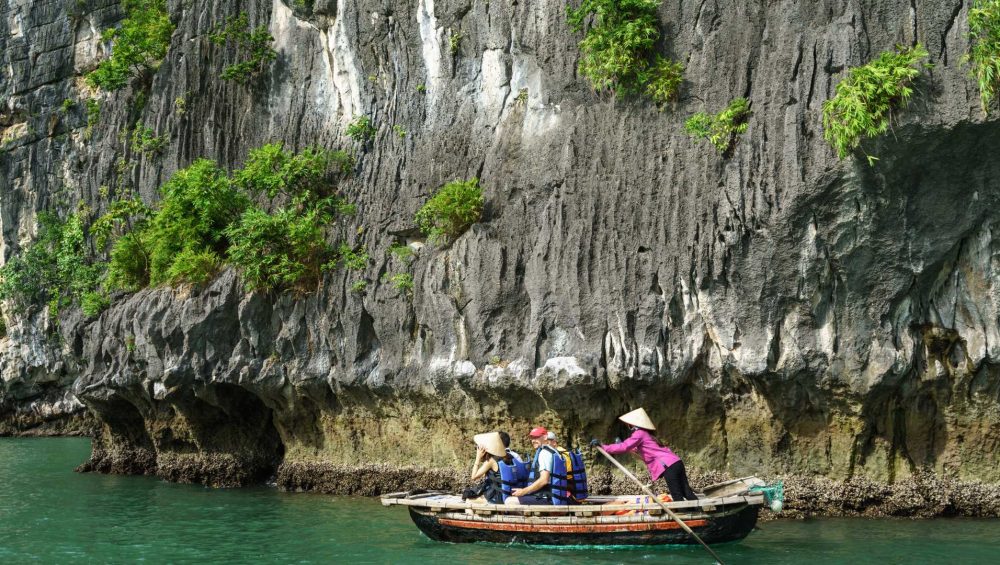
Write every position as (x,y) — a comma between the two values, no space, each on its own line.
(538,432)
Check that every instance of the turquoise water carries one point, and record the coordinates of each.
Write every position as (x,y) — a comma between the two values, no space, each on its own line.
(48,514)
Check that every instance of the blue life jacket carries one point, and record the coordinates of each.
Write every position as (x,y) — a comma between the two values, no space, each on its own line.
(579,486)
(557,489)
(512,476)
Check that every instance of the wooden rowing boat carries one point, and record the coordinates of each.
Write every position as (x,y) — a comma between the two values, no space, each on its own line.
(724,512)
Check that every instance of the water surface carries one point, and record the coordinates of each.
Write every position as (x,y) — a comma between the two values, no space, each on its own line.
(48,514)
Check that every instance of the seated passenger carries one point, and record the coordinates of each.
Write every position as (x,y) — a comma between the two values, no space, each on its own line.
(576,474)
(540,490)
(489,451)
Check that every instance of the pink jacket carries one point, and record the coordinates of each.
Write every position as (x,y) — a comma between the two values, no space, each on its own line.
(643,444)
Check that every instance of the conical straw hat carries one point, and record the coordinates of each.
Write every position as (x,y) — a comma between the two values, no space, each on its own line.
(639,419)
(492,443)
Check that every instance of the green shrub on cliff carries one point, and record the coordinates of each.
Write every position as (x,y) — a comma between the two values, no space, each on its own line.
(252,46)
(360,129)
(93,303)
(138,45)
(124,216)
(618,48)
(865,99)
(146,142)
(194,265)
(984,48)
(351,259)
(124,224)
(272,171)
(403,282)
(287,248)
(56,268)
(207,218)
(128,267)
(452,210)
(198,204)
(186,229)
(720,129)
(282,249)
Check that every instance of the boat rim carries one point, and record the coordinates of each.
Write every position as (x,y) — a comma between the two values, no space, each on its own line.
(432,501)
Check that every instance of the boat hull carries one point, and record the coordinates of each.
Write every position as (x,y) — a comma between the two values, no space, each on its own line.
(732,526)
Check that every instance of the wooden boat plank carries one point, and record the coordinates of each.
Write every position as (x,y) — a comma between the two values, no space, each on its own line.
(566,518)
(685,505)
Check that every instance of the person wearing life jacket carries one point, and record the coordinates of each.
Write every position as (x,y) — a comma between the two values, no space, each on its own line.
(659,459)
(548,482)
(513,473)
(576,472)
(490,455)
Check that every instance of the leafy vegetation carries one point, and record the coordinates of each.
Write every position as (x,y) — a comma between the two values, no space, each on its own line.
(453,208)
(403,282)
(205,219)
(402,252)
(282,249)
(865,99)
(522,97)
(139,44)
(253,47)
(352,260)
(288,247)
(123,216)
(618,48)
(128,267)
(455,42)
(171,244)
(93,117)
(198,203)
(720,129)
(57,268)
(125,223)
(984,48)
(663,80)
(93,303)
(273,171)
(146,142)
(361,129)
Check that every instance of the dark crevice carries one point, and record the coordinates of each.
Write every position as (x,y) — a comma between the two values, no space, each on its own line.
(943,54)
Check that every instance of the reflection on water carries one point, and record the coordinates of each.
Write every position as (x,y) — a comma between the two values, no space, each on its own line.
(50,514)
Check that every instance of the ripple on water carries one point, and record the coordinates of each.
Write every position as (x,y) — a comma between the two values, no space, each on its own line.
(50,514)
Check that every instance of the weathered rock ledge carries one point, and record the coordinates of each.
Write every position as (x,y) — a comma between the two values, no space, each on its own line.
(80,424)
(923,495)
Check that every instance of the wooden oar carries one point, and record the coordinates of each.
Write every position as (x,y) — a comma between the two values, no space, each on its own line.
(661,503)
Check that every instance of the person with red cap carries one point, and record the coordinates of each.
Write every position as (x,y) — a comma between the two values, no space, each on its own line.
(539,491)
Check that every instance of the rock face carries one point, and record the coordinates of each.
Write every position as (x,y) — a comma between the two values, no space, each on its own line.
(776,310)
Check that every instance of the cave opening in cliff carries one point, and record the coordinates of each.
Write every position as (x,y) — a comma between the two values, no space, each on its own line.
(220,435)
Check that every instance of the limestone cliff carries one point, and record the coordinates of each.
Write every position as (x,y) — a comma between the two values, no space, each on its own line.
(777,310)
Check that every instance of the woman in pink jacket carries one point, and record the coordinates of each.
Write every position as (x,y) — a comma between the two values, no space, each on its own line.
(659,460)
